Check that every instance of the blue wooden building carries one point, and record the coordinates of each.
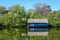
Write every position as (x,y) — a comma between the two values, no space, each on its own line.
(37,27)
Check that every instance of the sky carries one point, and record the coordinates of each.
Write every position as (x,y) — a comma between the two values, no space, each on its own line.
(28,4)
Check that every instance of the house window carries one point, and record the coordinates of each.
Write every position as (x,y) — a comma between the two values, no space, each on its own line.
(38,27)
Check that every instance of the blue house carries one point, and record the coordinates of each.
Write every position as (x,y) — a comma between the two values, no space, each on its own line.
(37,27)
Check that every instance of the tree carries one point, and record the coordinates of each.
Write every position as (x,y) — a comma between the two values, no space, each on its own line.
(57,16)
(30,14)
(54,18)
(14,17)
(2,10)
(18,13)
(41,8)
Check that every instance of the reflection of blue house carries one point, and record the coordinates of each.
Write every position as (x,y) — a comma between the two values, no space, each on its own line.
(37,25)
(38,30)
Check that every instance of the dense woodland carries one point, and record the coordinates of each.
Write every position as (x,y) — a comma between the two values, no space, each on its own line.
(16,17)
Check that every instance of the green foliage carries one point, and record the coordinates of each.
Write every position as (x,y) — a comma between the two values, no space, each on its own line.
(4,19)
(54,34)
(11,34)
(14,17)
(17,13)
(2,9)
(54,18)
(39,16)
(33,15)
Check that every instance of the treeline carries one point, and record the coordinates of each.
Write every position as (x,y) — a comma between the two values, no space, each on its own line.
(16,15)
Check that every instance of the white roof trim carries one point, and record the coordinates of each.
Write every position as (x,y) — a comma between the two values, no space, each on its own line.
(37,21)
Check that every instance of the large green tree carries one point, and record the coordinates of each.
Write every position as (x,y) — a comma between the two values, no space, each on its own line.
(15,17)
(54,18)
(18,14)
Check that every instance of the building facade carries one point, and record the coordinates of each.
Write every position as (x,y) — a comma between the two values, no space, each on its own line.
(37,27)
